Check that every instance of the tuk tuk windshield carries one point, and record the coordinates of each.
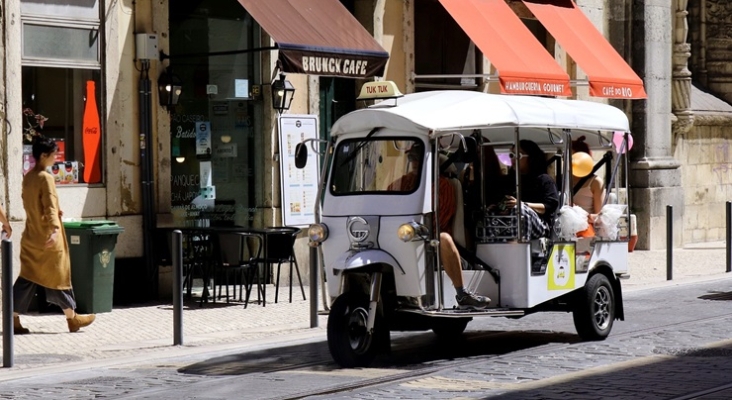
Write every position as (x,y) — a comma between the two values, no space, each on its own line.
(378,165)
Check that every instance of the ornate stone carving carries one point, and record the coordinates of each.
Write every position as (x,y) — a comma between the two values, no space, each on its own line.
(718,11)
(681,76)
(718,16)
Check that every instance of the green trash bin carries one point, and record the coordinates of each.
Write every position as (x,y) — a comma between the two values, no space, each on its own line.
(91,248)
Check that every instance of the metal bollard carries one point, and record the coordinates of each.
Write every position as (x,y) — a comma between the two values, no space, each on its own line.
(7,287)
(669,243)
(313,287)
(177,261)
(728,227)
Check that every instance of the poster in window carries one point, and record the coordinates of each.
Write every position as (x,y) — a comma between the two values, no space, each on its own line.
(298,187)
(203,138)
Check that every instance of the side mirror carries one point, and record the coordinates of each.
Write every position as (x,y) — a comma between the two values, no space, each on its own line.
(301,155)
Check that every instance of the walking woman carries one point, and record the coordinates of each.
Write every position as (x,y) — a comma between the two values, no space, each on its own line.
(44,253)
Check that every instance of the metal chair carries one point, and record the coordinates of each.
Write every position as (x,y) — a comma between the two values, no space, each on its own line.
(197,261)
(280,248)
(239,253)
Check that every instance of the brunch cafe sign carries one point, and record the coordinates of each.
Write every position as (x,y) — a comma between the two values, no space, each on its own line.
(362,65)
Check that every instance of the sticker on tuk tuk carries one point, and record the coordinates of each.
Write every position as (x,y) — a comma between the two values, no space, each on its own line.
(561,267)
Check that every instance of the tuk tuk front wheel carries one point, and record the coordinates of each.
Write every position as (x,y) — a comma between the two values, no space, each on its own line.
(350,344)
(595,313)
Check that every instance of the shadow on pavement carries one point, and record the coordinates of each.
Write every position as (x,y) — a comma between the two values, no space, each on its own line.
(192,304)
(408,351)
(676,374)
(720,296)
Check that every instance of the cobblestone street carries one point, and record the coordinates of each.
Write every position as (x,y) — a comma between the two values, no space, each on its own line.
(675,341)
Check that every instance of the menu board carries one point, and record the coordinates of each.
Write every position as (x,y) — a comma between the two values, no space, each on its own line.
(299,186)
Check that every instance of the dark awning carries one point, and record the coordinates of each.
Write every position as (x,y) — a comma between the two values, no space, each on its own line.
(319,37)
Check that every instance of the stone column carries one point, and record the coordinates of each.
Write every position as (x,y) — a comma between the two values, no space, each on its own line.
(654,175)
(681,76)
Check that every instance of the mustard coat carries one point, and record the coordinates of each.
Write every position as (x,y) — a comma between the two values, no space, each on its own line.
(48,267)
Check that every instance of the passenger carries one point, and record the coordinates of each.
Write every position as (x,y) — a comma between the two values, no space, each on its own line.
(591,194)
(495,176)
(449,255)
(495,188)
(539,195)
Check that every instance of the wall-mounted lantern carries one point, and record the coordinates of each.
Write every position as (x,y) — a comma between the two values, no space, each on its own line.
(169,89)
(282,94)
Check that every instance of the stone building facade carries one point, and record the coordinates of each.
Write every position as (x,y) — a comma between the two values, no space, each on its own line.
(680,157)
(703,146)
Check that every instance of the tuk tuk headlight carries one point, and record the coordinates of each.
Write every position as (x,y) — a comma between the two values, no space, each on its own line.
(411,231)
(318,233)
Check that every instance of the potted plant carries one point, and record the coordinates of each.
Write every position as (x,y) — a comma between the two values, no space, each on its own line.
(33,122)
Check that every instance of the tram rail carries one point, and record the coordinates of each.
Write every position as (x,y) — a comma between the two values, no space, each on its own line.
(420,372)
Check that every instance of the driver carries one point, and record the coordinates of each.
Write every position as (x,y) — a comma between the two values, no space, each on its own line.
(449,255)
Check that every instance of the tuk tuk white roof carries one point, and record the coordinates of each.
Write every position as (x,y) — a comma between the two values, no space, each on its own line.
(456,110)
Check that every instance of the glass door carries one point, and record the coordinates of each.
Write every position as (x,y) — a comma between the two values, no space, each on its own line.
(213,172)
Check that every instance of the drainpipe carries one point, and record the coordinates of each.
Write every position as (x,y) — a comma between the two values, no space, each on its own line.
(146,178)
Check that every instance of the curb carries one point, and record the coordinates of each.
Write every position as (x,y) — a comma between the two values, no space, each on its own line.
(634,287)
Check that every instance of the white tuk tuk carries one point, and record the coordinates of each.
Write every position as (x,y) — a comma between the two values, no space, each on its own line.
(380,244)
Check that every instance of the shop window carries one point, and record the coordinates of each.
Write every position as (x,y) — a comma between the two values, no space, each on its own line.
(58,43)
(62,80)
(75,9)
(60,94)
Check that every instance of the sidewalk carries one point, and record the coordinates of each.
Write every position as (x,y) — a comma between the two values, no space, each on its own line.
(694,262)
(146,332)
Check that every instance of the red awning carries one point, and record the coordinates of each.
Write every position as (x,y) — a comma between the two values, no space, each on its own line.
(524,65)
(319,37)
(609,75)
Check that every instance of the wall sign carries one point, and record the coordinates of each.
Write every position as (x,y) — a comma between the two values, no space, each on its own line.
(299,187)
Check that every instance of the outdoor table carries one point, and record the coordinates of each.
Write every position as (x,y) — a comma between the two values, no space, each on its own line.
(200,255)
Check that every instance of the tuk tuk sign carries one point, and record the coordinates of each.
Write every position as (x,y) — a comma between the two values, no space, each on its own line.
(379,90)
(299,187)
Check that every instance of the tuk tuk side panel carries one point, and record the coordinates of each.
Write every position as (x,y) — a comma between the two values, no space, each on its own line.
(521,289)
(512,260)
(613,253)
(560,276)
(412,256)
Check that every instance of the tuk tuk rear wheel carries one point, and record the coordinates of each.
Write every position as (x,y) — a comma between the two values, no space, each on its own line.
(349,342)
(595,313)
